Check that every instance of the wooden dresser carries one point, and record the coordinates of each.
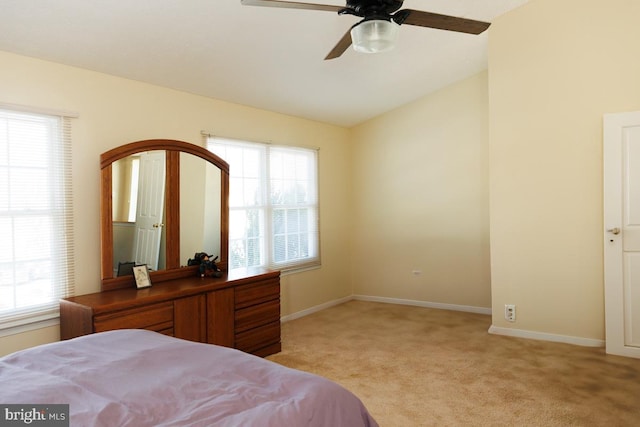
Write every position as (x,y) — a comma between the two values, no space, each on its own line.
(240,310)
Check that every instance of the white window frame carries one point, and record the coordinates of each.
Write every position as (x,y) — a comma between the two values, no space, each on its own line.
(252,192)
(33,287)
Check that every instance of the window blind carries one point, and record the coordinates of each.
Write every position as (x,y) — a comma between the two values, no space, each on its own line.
(36,216)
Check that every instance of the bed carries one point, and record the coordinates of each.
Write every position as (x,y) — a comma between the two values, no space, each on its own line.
(143,378)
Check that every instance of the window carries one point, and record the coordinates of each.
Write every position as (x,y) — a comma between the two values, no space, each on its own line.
(36,247)
(273,204)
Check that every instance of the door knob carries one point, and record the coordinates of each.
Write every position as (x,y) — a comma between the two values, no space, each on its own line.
(615,230)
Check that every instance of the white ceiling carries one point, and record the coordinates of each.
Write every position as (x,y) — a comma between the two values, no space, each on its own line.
(269,58)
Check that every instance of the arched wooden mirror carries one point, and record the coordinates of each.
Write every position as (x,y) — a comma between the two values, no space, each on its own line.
(161,201)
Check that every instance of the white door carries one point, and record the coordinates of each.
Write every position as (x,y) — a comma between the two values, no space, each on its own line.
(622,233)
(150,209)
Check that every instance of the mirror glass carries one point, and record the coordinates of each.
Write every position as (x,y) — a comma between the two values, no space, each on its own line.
(200,184)
(138,200)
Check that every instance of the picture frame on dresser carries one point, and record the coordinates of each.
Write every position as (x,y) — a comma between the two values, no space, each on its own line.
(141,274)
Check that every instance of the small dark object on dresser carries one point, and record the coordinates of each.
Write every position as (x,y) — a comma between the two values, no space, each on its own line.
(208,267)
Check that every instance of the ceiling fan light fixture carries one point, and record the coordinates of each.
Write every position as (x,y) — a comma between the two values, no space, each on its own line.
(374,36)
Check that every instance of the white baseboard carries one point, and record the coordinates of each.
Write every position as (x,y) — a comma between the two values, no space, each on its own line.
(542,336)
(426,304)
(314,309)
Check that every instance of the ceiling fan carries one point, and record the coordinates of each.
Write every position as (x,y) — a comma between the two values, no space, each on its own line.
(378,30)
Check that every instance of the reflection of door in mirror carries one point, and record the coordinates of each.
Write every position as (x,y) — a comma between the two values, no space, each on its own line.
(199,207)
(150,209)
(138,183)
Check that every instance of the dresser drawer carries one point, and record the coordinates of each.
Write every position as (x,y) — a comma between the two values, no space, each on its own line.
(256,293)
(257,338)
(155,317)
(257,315)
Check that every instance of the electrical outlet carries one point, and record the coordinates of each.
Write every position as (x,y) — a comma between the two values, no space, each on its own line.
(510,312)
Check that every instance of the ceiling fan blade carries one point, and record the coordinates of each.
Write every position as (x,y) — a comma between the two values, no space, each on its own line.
(341,47)
(292,5)
(441,22)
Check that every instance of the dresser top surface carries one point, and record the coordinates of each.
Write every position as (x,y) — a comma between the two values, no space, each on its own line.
(171,289)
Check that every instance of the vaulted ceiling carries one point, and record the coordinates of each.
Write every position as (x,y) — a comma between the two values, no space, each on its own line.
(269,58)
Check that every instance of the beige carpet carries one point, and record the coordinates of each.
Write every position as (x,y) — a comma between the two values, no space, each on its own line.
(415,366)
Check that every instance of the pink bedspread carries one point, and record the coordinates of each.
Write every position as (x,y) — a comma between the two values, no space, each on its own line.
(141,378)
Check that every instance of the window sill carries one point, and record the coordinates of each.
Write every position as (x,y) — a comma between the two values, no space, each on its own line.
(300,269)
(30,326)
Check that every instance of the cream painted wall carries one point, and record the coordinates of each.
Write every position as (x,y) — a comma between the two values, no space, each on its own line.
(421,199)
(115,111)
(555,67)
